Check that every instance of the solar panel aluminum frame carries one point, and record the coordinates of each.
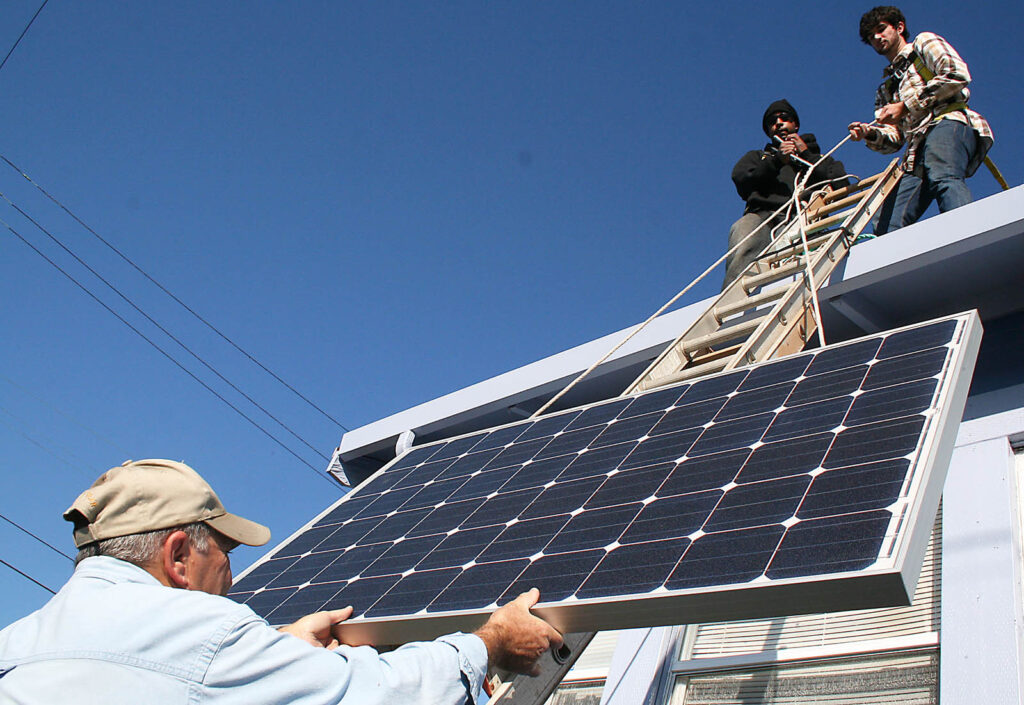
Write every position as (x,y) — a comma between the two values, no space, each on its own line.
(890,581)
(934,465)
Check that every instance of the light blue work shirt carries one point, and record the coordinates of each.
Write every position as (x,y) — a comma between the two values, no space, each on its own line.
(114,635)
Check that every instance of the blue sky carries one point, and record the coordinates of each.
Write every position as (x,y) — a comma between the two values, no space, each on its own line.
(383,202)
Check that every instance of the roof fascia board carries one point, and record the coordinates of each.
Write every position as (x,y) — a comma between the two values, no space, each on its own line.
(942,237)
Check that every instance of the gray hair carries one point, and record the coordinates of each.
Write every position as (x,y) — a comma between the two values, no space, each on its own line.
(140,549)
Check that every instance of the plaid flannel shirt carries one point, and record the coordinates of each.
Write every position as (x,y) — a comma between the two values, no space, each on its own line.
(943,97)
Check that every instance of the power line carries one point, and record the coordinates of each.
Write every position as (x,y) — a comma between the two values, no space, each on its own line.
(111,444)
(27,577)
(165,353)
(162,329)
(43,447)
(181,303)
(45,543)
(17,42)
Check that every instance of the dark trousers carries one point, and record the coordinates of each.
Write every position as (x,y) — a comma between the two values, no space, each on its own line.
(748,252)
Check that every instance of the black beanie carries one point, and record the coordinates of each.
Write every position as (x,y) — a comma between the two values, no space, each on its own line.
(779,106)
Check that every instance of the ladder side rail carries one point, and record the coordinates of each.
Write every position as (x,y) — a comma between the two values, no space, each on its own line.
(673,357)
(732,297)
(767,340)
(676,358)
(789,322)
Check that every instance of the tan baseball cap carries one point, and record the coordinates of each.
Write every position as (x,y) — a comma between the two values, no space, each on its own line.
(146,495)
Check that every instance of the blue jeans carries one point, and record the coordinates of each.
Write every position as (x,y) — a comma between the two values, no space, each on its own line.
(938,176)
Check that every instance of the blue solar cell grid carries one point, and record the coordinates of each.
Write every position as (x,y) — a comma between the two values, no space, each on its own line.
(788,469)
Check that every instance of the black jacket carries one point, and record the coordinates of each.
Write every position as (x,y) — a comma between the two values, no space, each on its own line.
(765,179)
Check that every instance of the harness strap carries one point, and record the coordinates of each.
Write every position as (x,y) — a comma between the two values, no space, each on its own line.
(927,74)
(996,173)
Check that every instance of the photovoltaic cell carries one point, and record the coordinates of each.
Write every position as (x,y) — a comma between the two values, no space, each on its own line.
(808,468)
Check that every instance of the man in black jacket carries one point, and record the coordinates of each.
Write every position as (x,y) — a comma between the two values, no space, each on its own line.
(765,179)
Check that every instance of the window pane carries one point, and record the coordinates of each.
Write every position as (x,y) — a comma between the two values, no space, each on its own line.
(577,694)
(905,679)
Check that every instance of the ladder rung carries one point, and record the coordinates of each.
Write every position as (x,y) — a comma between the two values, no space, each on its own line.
(748,303)
(713,355)
(692,371)
(722,335)
(795,248)
(772,275)
(829,222)
(853,188)
(834,206)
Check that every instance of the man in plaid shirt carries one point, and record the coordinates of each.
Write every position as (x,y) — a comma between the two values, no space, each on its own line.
(923,102)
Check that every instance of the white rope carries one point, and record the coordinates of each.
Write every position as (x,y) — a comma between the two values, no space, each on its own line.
(808,271)
(657,313)
(810,279)
(794,200)
(816,306)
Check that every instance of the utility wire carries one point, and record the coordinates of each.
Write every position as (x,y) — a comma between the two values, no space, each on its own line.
(166,332)
(48,545)
(41,446)
(27,577)
(165,353)
(16,43)
(181,303)
(96,434)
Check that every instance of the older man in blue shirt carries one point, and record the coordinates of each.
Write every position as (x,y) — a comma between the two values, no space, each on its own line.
(143,618)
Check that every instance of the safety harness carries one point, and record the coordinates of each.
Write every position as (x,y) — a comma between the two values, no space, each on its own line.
(891,85)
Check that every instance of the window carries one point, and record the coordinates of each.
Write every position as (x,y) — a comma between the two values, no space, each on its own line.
(905,678)
(578,693)
(863,656)
(584,682)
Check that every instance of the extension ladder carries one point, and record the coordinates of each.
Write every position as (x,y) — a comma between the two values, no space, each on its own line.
(765,313)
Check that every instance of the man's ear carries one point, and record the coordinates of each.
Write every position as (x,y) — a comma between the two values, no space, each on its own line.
(174,554)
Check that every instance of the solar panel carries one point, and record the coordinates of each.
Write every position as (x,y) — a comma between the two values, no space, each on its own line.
(805,484)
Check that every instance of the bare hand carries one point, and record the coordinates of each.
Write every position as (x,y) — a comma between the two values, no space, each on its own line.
(892,113)
(860,131)
(515,639)
(793,144)
(318,628)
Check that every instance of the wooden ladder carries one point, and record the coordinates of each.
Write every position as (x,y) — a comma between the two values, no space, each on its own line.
(765,313)
(768,310)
